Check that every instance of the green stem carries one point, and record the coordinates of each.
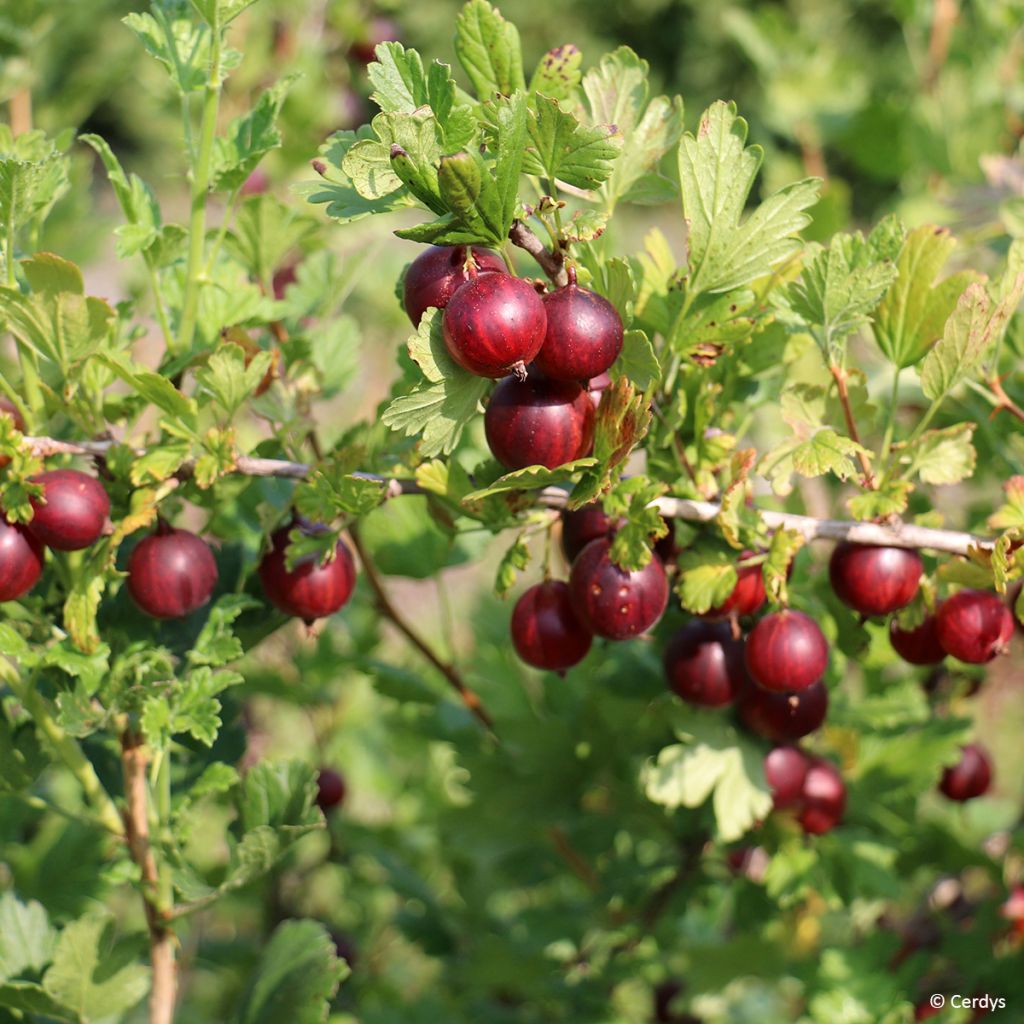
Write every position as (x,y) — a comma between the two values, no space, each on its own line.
(158,301)
(29,368)
(229,212)
(200,187)
(65,747)
(890,426)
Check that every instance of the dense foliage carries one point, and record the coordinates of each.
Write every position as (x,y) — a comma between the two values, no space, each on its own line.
(482,669)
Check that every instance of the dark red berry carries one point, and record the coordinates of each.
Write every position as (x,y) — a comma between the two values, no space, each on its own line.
(284,278)
(21,560)
(436,274)
(786,651)
(747,596)
(72,511)
(345,948)
(750,861)
(310,591)
(171,573)
(8,408)
(494,325)
(582,525)
(612,602)
(874,580)
(256,184)
(379,30)
(583,337)
(546,631)
(823,800)
(330,789)
(783,717)
(974,626)
(704,664)
(785,769)
(970,777)
(920,645)
(538,422)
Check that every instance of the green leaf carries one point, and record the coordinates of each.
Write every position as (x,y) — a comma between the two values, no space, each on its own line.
(468,190)
(717,172)
(264,231)
(488,49)
(230,377)
(531,478)
(941,456)
(26,938)
(27,997)
(219,13)
(823,452)
(783,548)
(278,794)
(563,149)
(890,499)
(1009,516)
(705,579)
(558,72)
(514,561)
(217,644)
(33,176)
(155,389)
(405,540)
(177,42)
(296,978)
(332,492)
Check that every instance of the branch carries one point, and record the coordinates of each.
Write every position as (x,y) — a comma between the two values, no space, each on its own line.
(162,996)
(899,535)
(552,263)
(1003,401)
(851,425)
(468,696)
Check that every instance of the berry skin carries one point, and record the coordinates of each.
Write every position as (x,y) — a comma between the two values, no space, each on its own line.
(310,591)
(8,409)
(581,526)
(704,664)
(874,580)
(612,602)
(920,645)
(823,800)
(970,777)
(538,422)
(437,273)
(494,325)
(786,651)
(330,789)
(71,514)
(584,334)
(171,573)
(546,632)
(747,596)
(974,626)
(785,770)
(21,560)
(783,717)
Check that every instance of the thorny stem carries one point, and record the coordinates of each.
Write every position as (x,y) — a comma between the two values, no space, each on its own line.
(839,374)
(552,263)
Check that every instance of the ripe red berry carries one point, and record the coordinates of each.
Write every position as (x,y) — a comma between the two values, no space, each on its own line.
(874,580)
(494,325)
(21,560)
(546,631)
(786,651)
(823,800)
(72,511)
(584,334)
(171,573)
(7,408)
(747,596)
(612,602)
(582,525)
(920,645)
(284,277)
(379,30)
(330,789)
(970,777)
(785,769)
(436,274)
(538,422)
(256,184)
(704,664)
(310,591)
(783,717)
(974,626)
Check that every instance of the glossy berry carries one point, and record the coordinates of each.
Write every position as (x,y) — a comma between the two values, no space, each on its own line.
(874,580)
(21,560)
(330,789)
(494,325)
(72,511)
(582,525)
(309,591)
(785,769)
(171,573)
(970,777)
(748,596)
(612,602)
(786,651)
(546,631)
(704,664)
(583,336)
(7,408)
(974,626)
(823,800)
(438,272)
(783,717)
(920,645)
(537,422)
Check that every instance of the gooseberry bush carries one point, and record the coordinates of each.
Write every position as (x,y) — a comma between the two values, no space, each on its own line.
(687,771)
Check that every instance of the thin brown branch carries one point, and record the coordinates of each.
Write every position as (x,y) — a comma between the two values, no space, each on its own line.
(468,696)
(21,111)
(163,993)
(552,263)
(1004,402)
(851,425)
(944,17)
(573,858)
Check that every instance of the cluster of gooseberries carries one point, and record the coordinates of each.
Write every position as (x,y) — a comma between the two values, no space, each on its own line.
(546,348)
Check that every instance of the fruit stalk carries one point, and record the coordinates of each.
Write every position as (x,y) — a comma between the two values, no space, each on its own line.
(553,264)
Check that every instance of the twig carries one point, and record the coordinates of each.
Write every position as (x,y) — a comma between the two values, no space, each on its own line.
(162,996)
(552,263)
(576,861)
(851,425)
(1003,401)
(468,696)
(945,14)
